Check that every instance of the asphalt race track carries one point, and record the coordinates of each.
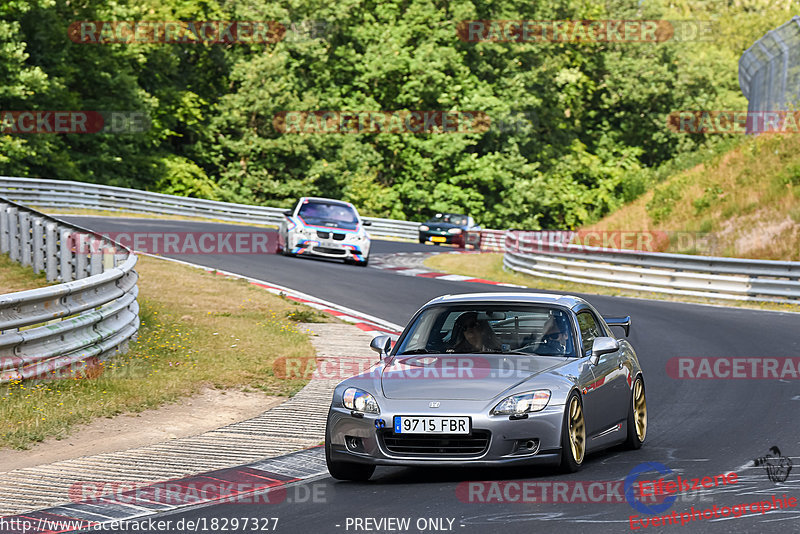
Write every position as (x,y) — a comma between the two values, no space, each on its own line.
(697,428)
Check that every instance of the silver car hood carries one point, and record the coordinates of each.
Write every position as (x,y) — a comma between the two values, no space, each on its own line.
(460,377)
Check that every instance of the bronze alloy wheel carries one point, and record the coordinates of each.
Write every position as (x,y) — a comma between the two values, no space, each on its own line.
(577,429)
(639,410)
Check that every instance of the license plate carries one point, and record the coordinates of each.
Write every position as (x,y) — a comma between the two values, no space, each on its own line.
(439,239)
(431,425)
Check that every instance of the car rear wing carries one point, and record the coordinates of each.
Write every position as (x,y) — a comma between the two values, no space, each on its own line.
(624,322)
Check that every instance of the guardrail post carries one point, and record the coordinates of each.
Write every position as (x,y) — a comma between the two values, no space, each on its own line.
(81,242)
(96,257)
(65,255)
(50,251)
(25,239)
(119,257)
(38,245)
(13,234)
(511,244)
(109,258)
(3,228)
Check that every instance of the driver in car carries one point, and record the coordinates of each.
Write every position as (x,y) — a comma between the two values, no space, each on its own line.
(473,335)
(555,338)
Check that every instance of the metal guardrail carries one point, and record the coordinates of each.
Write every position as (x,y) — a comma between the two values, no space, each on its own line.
(493,240)
(705,276)
(87,318)
(725,278)
(65,194)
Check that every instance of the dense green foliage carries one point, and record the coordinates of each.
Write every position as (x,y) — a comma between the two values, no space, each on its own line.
(589,120)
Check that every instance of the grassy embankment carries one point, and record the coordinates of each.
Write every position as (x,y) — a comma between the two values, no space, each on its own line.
(198,330)
(744,203)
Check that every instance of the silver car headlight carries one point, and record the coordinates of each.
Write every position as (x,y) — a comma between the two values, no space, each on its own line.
(533,401)
(454,231)
(424,228)
(360,401)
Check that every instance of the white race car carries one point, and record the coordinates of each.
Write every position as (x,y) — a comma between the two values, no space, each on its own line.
(326,228)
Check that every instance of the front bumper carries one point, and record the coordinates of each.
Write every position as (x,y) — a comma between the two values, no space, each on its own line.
(449,239)
(358,439)
(341,250)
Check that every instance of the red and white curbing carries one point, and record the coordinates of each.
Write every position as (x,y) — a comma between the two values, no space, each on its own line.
(368,323)
(403,263)
(412,264)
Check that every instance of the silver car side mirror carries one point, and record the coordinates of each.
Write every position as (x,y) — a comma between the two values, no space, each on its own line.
(382,345)
(603,345)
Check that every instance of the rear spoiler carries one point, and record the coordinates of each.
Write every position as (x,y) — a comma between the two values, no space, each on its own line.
(624,322)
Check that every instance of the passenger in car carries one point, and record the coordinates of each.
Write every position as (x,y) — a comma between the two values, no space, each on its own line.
(471,334)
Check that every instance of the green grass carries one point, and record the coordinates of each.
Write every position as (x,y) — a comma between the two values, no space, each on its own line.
(15,277)
(306,315)
(227,335)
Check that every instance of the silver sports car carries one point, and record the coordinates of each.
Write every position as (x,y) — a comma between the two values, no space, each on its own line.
(490,379)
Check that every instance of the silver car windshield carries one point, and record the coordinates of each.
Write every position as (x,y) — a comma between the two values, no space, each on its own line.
(525,330)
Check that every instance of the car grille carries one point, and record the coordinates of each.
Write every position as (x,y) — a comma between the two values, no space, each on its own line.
(436,444)
(323,235)
(338,237)
(328,250)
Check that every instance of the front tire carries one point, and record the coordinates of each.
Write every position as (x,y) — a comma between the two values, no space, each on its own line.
(346,470)
(285,247)
(364,263)
(637,416)
(573,435)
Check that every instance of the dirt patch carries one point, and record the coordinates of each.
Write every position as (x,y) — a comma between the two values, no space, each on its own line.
(210,409)
(761,234)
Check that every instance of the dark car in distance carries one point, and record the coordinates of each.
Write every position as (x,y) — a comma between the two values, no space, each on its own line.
(452,229)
